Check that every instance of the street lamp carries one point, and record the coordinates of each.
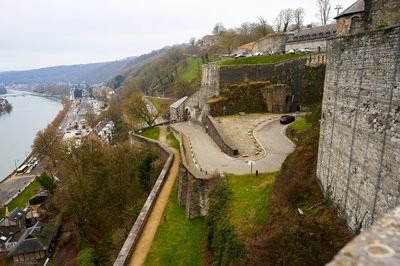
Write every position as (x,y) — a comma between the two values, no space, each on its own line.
(338,7)
(15,163)
(26,154)
(251,164)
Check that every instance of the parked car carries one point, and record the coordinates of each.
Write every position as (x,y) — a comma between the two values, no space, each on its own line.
(286,119)
(240,56)
(258,54)
(291,51)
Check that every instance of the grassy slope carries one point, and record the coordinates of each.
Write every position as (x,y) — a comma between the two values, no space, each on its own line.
(172,141)
(290,239)
(192,71)
(299,125)
(151,133)
(247,210)
(178,241)
(268,59)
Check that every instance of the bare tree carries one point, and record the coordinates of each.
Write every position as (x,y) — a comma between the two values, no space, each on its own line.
(192,41)
(324,10)
(278,23)
(137,110)
(283,20)
(219,29)
(45,142)
(298,17)
(228,41)
(262,27)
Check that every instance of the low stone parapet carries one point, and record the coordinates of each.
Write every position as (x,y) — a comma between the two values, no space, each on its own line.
(378,245)
(137,228)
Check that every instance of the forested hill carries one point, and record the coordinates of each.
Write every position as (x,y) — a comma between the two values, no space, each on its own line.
(91,73)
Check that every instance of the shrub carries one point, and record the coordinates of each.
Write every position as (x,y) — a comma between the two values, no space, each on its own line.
(86,257)
(221,237)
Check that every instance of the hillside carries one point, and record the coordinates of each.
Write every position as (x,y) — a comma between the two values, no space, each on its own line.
(91,73)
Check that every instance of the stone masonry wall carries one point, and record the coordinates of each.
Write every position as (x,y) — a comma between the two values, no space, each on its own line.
(359,150)
(192,185)
(213,131)
(305,81)
(381,13)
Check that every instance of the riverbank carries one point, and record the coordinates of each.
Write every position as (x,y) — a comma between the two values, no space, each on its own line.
(30,114)
(5,106)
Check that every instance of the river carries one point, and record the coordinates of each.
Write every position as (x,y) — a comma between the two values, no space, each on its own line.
(29,114)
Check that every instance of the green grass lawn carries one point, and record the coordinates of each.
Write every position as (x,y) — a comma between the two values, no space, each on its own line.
(172,141)
(299,125)
(178,241)
(22,199)
(268,59)
(192,71)
(247,209)
(151,133)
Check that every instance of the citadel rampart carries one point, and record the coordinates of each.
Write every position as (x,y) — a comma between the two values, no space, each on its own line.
(144,214)
(192,184)
(303,75)
(359,150)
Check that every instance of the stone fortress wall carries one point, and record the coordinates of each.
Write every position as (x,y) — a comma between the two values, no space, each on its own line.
(359,150)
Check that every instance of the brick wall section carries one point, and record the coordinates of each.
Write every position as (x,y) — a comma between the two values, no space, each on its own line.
(359,150)
(137,228)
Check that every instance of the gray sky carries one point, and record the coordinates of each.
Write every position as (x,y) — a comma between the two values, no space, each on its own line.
(41,33)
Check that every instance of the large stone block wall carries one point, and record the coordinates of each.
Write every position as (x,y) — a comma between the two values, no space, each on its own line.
(213,131)
(304,76)
(359,150)
(305,81)
(274,42)
(192,185)
(382,13)
(192,193)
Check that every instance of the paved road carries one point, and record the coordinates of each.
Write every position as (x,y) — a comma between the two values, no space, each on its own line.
(211,158)
(12,186)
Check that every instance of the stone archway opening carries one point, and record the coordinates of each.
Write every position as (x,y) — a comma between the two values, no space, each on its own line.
(186,114)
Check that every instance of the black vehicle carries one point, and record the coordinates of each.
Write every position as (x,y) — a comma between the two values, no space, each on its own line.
(286,119)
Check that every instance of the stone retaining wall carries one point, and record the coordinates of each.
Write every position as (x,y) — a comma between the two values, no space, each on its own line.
(137,228)
(192,184)
(213,131)
(359,149)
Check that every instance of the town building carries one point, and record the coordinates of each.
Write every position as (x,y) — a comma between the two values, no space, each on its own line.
(349,21)
(312,38)
(35,243)
(273,43)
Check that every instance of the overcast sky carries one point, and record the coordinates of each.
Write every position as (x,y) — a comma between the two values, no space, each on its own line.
(41,33)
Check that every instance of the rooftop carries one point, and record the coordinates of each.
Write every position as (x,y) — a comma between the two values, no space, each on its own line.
(178,102)
(355,8)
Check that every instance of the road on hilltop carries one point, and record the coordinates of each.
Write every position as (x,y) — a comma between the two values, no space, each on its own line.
(210,157)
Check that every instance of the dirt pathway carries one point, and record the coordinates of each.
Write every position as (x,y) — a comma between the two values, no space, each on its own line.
(145,240)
